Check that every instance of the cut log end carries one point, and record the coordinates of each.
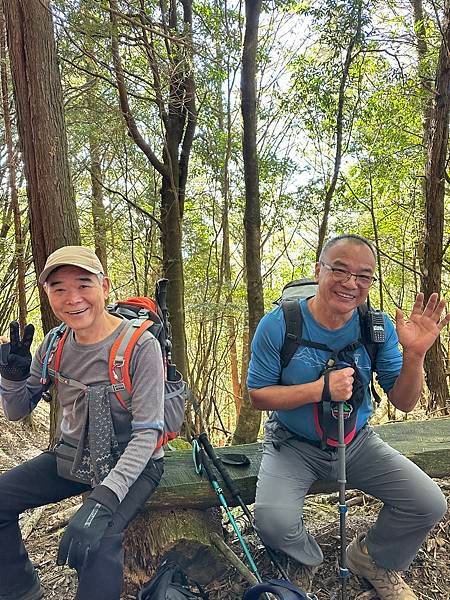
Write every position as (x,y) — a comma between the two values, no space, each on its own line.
(182,536)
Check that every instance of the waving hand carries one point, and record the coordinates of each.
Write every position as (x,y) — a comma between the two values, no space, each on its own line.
(418,333)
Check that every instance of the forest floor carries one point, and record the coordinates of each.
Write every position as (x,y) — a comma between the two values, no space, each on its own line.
(429,574)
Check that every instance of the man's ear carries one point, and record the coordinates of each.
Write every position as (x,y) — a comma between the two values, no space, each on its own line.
(317,271)
(106,285)
(45,286)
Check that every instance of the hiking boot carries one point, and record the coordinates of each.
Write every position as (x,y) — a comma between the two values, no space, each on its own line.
(388,584)
(34,593)
(302,576)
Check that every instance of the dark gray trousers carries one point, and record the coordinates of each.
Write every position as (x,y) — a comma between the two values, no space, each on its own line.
(36,483)
(413,503)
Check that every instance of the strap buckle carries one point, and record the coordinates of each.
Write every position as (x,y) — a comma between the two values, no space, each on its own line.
(117,387)
(117,369)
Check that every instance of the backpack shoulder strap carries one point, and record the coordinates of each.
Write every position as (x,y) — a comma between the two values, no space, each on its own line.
(293,319)
(293,337)
(120,357)
(54,352)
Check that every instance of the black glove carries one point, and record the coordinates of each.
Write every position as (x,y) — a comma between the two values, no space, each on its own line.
(85,530)
(15,355)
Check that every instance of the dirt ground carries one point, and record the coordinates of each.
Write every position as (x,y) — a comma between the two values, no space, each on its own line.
(429,574)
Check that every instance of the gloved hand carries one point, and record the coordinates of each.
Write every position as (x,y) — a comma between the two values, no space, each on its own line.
(85,530)
(15,355)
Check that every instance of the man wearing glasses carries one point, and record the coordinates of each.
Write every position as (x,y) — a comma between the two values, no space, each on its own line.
(294,453)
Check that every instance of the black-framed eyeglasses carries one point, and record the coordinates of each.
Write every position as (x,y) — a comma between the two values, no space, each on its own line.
(342,276)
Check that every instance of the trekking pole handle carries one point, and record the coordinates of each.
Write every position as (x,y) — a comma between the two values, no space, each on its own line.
(204,441)
(161,293)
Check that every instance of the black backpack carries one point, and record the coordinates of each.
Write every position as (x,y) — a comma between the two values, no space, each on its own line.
(372,335)
(170,582)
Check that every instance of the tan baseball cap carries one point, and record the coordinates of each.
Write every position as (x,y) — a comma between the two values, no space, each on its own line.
(78,256)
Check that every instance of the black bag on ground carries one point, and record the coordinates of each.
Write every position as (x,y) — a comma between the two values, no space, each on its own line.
(170,582)
(282,589)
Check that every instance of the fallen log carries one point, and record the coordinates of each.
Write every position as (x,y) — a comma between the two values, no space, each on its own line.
(426,443)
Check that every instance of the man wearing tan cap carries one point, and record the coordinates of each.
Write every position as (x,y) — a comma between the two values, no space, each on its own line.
(104,450)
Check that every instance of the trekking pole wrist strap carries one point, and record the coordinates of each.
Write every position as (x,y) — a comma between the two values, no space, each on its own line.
(326,394)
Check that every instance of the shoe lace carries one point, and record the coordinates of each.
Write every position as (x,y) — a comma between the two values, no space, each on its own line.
(304,573)
(392,577)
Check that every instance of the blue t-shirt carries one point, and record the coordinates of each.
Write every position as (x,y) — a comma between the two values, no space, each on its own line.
(307,363)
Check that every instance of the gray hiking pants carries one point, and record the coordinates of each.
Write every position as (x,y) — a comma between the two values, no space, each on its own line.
(413,503)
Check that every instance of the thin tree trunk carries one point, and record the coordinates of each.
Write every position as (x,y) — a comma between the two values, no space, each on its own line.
(435,178)
(98,208)
(249,419)
(339,133)
(226,255)
(230,319)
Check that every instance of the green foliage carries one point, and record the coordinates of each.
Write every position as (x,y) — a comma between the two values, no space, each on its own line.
(301,57)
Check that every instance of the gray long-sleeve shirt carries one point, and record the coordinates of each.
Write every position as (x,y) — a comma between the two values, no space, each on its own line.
(88,364)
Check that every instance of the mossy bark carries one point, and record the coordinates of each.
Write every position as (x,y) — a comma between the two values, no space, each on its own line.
(181,535)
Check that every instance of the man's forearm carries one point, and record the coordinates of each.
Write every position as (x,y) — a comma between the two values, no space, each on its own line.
(409,384)
(286,397)
(16,397)
(132,462)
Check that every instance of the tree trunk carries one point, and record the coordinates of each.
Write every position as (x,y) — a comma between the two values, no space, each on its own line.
(42,134)
(40,123)
(98,208)
(178,118)
(173,269)
(435,178)
(27,422)
(249,419)
(226,254)
(11,161)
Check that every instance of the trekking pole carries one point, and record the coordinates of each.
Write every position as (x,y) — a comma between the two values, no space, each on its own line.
(161,299)
(343,571)
(201,463)
(217,462)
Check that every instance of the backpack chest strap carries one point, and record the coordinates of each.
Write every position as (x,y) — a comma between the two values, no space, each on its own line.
(347,354)
(293,339)
(60,378)
(118,364)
